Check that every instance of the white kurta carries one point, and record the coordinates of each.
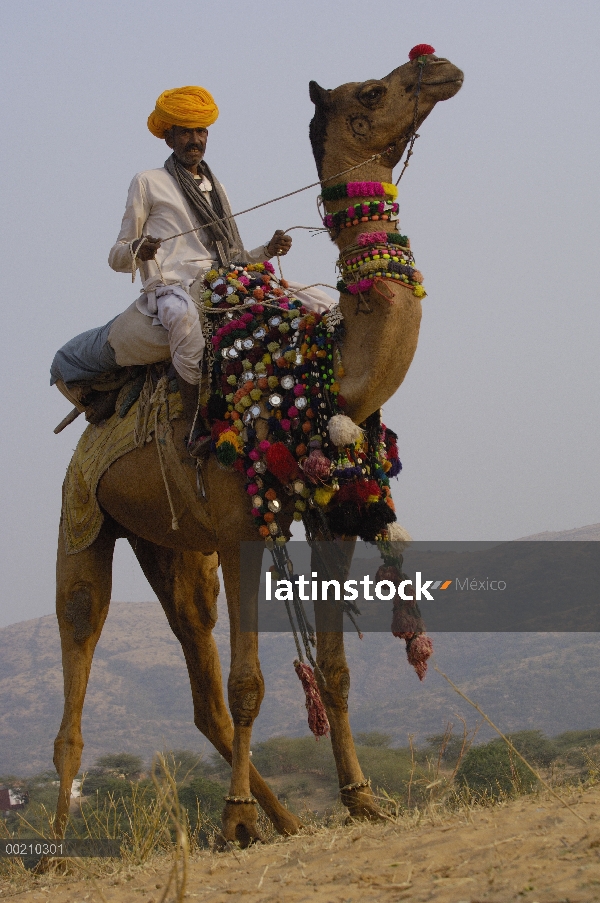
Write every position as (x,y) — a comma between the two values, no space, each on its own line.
(156,207)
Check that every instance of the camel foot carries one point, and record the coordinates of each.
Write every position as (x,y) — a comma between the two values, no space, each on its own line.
(240,824)
(361,804)
(287,824)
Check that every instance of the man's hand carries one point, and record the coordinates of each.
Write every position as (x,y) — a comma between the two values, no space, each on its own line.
(148,249)
(279,244)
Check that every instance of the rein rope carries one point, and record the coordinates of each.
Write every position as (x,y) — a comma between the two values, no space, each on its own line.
(281,198)
(422,62)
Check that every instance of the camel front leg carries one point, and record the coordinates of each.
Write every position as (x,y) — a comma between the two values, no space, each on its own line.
(83,587)
(187,586)
(333,679)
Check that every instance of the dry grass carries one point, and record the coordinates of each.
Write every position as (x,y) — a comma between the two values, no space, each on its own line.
(157,838)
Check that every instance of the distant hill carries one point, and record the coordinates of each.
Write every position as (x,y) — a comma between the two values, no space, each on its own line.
(579,534)
(139,698)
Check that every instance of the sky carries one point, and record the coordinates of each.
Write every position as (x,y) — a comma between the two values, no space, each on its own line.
(498,419)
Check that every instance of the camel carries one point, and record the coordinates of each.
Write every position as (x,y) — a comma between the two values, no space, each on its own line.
(351,124)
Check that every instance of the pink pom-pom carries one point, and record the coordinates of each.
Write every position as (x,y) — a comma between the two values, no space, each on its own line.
(258,308)
(251,472)
(420,50)
(254,455)
(246,318)
(285,424)
(293,411)
(371,238)
(298,389)
(251,488)
(362,286)
(264,445)
(419,649)
(317,716)
(317,466)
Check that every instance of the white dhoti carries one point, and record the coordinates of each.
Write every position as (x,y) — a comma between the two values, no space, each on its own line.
(160,325)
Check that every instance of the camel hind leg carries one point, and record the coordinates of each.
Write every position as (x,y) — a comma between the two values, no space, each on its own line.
(83,587)
(187,586)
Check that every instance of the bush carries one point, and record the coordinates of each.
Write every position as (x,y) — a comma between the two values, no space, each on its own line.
(492,770)
(450,745)
(374,738)
(536,747)
(98,783)
(121,764)
(293,755)
(204,798)
(388,769)
(187,764)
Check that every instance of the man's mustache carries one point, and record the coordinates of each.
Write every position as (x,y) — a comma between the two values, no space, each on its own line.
(190,147)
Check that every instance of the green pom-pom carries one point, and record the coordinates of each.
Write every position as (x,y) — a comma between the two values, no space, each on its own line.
(226,454)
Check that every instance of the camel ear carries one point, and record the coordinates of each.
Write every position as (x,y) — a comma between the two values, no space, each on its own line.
(318,95)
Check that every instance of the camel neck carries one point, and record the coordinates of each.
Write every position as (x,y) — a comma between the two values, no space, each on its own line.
(371,172)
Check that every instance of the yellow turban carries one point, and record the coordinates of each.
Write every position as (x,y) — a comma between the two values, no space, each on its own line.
(190,107)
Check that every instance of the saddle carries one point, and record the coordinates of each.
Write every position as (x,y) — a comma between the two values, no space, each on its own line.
(97,398)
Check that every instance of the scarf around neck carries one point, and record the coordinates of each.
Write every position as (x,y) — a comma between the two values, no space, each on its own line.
(225,234)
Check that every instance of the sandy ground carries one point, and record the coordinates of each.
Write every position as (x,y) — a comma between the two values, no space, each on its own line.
(532,849)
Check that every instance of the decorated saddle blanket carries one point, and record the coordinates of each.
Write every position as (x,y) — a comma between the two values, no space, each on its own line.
(274,361)
(132,425)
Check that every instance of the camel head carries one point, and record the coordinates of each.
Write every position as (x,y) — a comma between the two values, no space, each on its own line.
(357,120)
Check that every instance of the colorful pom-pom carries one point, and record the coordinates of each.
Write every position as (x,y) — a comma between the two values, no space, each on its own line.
(317,717)
(418,651)
(281,462)
(317,466)
(420,50)
(343,430)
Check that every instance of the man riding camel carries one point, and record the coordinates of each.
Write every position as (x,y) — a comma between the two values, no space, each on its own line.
(182,197)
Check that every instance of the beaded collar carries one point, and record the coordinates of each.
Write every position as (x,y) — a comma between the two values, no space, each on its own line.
(378,255)
(371,211)
(359,190)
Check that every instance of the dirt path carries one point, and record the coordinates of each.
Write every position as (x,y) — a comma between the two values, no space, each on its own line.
(532,849)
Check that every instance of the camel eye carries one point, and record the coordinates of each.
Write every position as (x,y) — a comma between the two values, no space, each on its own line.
(371,95)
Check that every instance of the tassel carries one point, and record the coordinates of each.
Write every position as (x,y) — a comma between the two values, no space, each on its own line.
(317,716)
(343,431)
(418,650)
(281,463)
(398,534)
(406,621)
(316,467)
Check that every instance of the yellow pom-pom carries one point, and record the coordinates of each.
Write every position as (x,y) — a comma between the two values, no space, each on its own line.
(323,495)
